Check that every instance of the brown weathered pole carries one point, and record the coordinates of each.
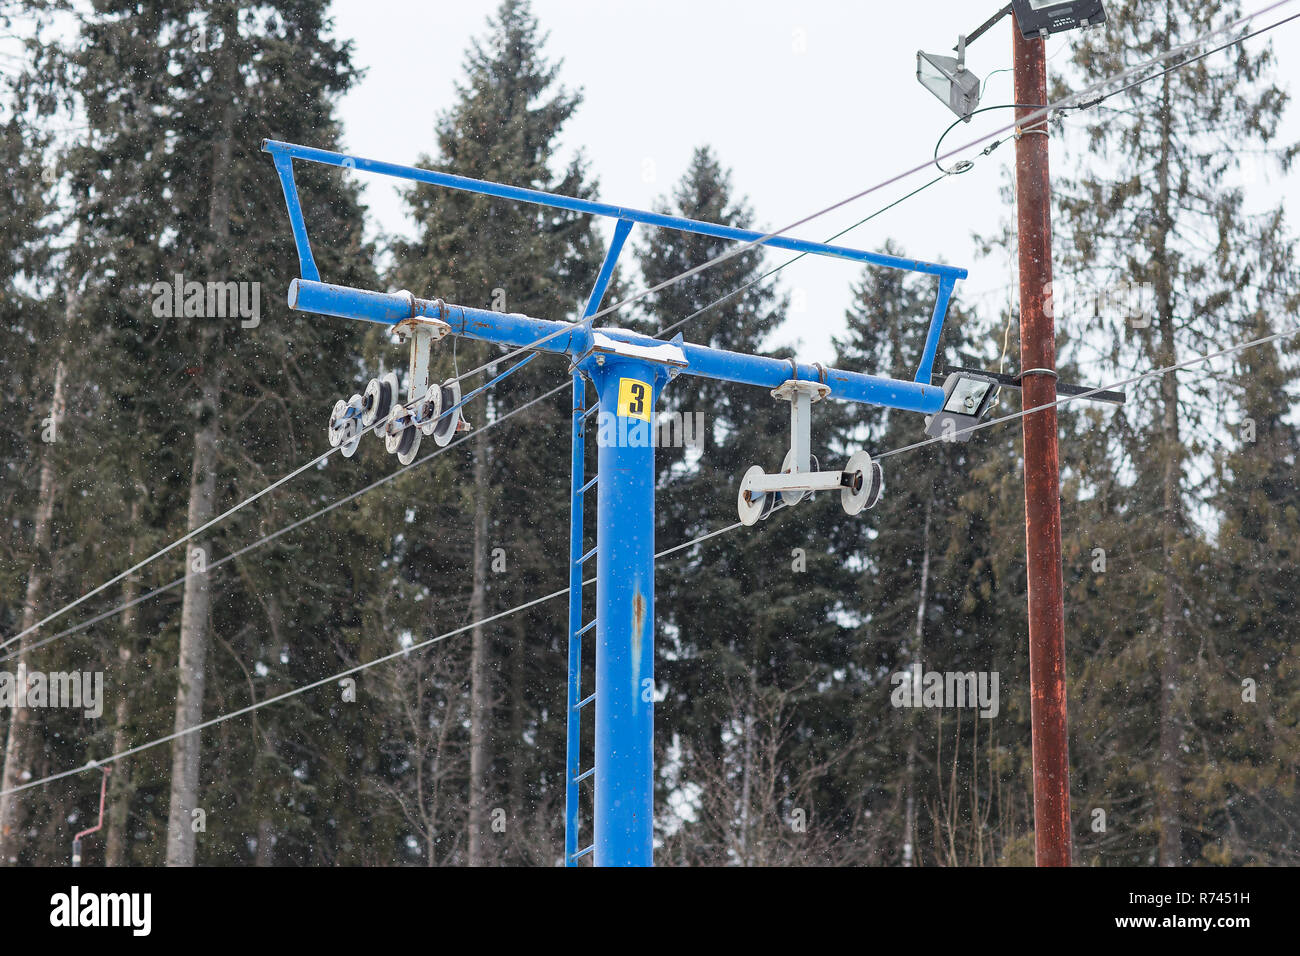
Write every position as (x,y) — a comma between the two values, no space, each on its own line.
(1042,468)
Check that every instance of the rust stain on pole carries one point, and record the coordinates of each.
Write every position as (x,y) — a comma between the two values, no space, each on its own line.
(1042,469)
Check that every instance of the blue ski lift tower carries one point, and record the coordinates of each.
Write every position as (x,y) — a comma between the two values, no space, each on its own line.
(628,372)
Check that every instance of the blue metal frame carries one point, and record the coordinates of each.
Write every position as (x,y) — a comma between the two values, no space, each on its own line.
(624,623)
(284,154)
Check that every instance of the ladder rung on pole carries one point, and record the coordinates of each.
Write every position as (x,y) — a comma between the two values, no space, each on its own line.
(583,703)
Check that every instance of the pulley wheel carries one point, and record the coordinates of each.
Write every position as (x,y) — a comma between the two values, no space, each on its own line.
(408,444)
(370,402)
(751,511)
(446,427)
(787,466)
(335,430)
(351,437)
(856,494)
(429,409)
(393,427)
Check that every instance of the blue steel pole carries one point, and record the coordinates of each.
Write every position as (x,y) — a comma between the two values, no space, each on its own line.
(624,803)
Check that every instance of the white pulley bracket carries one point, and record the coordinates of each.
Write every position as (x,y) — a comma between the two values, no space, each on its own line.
(801,396)
(860,483)
(422,333)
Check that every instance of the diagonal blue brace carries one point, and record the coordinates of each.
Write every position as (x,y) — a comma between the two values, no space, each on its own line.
(946,285)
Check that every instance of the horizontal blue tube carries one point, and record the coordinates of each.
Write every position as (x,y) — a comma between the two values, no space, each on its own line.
(845,386)
(519,331)
(389,308)
(522,194)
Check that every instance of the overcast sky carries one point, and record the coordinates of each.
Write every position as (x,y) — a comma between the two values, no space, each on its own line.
(807,103)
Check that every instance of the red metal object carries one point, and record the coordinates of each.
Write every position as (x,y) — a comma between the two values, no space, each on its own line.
(1042,467)
(76,840)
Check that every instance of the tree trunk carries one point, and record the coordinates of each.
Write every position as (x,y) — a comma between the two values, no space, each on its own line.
(913,743)
(479,690)
(17,744)
(195,606)
(517,714)
(197,600)
(265,843)
(1168,775)
(747,768)
(119,785)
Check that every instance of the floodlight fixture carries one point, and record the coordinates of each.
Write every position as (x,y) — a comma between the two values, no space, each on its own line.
(948,79)
(1042,17)
(966,398)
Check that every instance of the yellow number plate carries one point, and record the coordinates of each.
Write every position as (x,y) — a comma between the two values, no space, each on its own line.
(634,399)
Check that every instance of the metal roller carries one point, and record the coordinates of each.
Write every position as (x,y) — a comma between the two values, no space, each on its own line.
(429,409)
(863,483)
(751,510)
(446,427)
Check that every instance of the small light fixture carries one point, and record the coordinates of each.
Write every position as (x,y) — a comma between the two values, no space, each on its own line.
(966,398)
(1041,17)
(948,79)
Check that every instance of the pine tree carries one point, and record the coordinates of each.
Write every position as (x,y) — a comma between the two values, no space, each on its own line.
(480,251)
(935,588)
(1244,730)
(170,180)
(1166,217)
(34,463)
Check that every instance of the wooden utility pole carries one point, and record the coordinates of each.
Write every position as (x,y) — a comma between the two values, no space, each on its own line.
(1042,467)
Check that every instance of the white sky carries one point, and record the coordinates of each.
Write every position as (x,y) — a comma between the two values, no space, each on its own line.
(806,103)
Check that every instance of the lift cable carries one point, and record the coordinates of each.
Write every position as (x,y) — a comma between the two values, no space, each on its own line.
(1263,340)
(742,247)
(387,478)
(267,539)
(1090,392)
(356,669)
(1067,102)
(247,501)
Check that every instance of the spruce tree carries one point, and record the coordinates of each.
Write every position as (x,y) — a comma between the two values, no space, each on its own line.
(485,252)
(1164,215)
(177,97)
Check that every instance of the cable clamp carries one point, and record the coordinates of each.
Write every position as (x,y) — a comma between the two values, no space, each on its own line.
(1041,371)
(1020,131)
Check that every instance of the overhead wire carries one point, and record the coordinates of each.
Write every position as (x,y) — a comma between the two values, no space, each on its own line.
(1262,340)
(1069,102)
(1059,401)
(347,672)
